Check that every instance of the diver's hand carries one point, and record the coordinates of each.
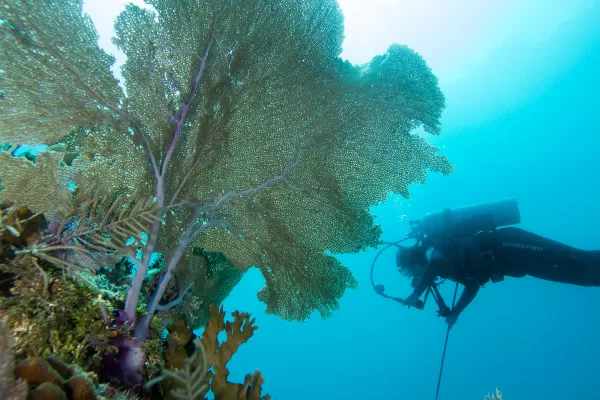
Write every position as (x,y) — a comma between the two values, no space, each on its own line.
(451,320)
(444,312)
(411,301)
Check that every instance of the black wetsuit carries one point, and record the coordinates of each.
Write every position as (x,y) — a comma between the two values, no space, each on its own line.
(476,259)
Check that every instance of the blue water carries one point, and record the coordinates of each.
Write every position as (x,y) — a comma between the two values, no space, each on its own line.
(521,123)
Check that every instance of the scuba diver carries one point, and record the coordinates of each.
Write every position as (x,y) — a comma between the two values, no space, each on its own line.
(472,245)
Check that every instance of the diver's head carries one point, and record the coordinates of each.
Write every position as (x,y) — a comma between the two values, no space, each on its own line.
(410,261)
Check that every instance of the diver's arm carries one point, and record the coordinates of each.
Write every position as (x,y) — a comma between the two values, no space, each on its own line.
(431,272)
(468,294)
(426,280)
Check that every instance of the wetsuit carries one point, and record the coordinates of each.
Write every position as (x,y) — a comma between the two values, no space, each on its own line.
(491,255)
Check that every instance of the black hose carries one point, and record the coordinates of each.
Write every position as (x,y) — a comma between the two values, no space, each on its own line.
(379,289)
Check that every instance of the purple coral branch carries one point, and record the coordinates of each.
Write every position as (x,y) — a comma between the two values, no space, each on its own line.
(142,328)
(183,181)
(186,239)
(151,156)
(184,109)
(192,232)
(231,195)
(133,294)
(168,306)
(136,285)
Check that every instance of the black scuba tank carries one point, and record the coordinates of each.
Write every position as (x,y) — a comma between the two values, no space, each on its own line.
(470,219)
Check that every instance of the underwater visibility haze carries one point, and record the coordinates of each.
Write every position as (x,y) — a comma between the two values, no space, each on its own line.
(193,192)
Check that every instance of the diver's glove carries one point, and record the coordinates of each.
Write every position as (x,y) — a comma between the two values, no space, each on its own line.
(451,319)
(411,301)
(444,311)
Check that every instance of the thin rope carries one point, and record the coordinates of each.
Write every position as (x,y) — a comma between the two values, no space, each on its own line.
(437,392)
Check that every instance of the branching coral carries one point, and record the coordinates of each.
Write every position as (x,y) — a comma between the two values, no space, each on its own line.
(190,382)
(219,354)
(193,379)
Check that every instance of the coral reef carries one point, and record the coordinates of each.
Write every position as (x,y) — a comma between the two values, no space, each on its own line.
(60,315)
(239,124)
(245,157)
(51,378)
(59,331)
(189,360)
(61,322)
(53,311)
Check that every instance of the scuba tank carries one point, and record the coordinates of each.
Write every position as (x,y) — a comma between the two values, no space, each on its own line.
(466,220)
